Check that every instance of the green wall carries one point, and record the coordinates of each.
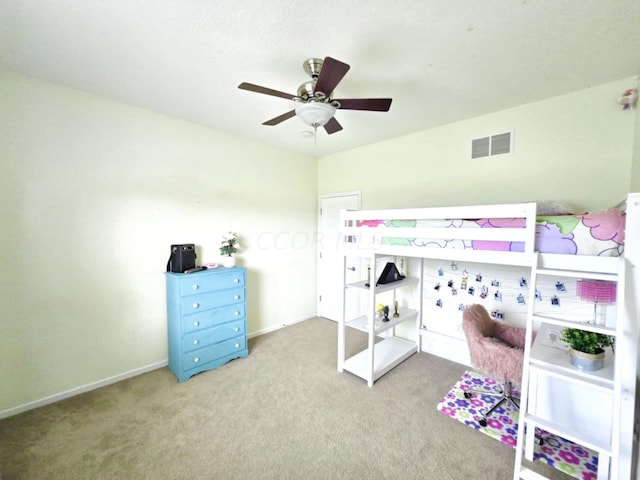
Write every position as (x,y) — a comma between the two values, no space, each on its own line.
(635,171)
(577,148)
(92,194)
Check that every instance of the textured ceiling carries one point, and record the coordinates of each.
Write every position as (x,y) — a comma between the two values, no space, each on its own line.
(440,60)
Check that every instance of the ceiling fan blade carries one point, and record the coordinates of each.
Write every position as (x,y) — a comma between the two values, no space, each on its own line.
(331,73)
(267,91)
(332,126)
(374,104)
(280,118)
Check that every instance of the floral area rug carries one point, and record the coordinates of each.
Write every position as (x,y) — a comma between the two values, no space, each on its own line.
(502,425)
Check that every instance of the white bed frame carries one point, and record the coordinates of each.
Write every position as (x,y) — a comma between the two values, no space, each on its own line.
(365,242)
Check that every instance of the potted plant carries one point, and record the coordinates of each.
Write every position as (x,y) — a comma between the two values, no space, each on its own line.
(587,348)
(228,249)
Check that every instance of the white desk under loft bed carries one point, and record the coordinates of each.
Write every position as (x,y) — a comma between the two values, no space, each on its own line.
(456,234)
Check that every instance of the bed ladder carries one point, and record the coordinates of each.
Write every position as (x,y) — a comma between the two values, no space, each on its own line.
(546,363)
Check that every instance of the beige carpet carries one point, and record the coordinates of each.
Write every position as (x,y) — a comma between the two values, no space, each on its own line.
(282,413)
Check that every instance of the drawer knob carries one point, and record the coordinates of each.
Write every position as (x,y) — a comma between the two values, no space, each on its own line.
(236,297)
(195,286)
(236,329)
(196,323)
(237,313)
(195,342)
(237,345)
(195,305)
(236,280)
(196,360)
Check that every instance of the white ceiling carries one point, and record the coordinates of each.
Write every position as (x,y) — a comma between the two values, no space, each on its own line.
(440,60)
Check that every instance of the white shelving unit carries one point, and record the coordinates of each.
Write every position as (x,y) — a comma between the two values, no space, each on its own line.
(577,405)
(384,349)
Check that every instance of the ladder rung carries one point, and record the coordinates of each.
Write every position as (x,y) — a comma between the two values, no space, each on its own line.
(612,277)
(589,327)
(528,474)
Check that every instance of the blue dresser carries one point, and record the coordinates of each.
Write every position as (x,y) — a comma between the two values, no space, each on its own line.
(207,321)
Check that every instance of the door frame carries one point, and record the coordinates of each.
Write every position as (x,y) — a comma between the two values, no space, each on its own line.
(358,194)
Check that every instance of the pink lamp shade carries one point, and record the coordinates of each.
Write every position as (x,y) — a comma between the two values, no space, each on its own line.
(598,291)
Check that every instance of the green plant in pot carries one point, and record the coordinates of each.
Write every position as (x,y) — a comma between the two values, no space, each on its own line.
(587,348)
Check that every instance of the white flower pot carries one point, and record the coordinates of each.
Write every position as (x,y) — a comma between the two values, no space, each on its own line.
(229,261)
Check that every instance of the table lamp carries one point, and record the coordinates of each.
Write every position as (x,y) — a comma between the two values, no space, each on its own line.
(600,292)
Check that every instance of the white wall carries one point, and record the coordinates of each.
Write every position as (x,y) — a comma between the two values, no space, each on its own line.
(576,148)
(92,194)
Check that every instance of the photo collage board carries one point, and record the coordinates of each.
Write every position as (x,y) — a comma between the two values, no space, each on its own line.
(504,290)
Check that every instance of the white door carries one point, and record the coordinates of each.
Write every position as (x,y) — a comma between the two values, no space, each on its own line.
(330,261)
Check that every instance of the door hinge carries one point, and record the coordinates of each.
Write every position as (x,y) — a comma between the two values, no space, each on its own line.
(320,298)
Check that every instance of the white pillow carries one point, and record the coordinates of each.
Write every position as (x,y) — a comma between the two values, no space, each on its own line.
(553,207)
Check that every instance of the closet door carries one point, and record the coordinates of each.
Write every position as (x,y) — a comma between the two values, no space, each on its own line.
(330,259)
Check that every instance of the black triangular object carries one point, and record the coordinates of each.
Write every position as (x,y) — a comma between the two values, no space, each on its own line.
(390,274)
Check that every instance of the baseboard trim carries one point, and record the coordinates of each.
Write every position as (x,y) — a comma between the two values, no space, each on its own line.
(278,327)
(10,412)
(82,389)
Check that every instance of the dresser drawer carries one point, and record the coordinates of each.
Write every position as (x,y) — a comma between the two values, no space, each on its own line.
(205,301)
(213,352)
(193,284)
(209,318)
(219,333)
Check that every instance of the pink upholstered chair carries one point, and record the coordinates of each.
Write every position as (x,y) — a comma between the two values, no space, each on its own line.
(496,350)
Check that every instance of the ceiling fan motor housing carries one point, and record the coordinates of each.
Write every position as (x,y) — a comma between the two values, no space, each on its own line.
(313,66)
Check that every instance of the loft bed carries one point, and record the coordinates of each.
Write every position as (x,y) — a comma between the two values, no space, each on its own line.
(504,235)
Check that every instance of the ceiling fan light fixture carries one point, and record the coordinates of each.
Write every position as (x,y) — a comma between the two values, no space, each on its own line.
(315,114)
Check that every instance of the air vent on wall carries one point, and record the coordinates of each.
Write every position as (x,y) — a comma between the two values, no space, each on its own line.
(498,144)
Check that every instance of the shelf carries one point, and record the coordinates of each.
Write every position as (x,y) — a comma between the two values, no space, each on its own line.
(556,362)
(362,323)
(386,287)
(387,354)
(570,434)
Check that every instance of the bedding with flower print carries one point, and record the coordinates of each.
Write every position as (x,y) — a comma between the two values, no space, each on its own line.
(596,233)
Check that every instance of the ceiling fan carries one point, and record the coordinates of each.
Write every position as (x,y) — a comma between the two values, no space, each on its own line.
(317,106)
